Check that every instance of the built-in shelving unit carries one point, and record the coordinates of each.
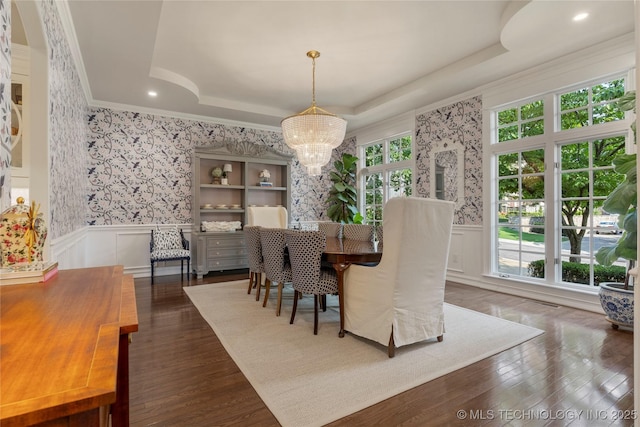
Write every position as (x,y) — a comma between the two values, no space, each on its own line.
(213,201)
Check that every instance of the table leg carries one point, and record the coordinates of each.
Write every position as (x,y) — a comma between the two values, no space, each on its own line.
(120,409)
(340,268)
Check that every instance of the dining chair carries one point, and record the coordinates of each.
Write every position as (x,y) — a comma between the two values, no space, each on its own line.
(330,229)
(305,253)
(379,233)
(267,216)
(401,300)
(169,245)
(254,256)
(276,269)
(358,231)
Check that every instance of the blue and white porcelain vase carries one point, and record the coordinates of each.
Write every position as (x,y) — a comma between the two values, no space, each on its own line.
(617,303)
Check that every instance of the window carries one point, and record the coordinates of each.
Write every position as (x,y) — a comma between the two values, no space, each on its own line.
(550,184)
(521,121)
(520,200)
(591,105)
(387,172)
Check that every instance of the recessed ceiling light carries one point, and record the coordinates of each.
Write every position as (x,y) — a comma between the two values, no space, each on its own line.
(152,93)
(580,16)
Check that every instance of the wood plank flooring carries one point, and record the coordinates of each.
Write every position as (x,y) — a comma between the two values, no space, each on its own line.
(181,375)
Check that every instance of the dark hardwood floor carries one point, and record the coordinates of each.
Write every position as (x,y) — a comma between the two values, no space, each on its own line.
(182,376)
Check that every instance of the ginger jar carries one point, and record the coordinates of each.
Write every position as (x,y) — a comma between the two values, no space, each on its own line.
(14,227)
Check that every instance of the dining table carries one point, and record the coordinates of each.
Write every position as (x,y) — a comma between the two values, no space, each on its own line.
(341,253)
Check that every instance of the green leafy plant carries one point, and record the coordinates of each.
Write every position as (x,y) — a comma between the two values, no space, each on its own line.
(343,196)
(623,200)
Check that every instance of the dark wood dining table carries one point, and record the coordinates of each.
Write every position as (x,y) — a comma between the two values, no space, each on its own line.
(341,253)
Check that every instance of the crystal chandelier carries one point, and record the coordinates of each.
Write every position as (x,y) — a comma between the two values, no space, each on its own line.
(314,132)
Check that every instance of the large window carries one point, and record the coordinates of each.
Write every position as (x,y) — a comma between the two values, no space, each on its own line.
(387,172)
(552,159)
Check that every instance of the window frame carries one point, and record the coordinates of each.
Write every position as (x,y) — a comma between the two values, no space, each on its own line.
(386,168)
(551,140)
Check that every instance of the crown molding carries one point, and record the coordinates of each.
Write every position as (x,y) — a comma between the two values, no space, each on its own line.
(176,115)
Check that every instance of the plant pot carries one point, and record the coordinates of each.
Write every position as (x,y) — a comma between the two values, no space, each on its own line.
(617,303)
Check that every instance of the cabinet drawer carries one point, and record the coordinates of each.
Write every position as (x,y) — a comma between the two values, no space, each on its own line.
(220,243)
(224,251)
(226,263)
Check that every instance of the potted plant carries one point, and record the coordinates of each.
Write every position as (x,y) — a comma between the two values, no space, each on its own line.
(343,196)
(265,175)
(617,298)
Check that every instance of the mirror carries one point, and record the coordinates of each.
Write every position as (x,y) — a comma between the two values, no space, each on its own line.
(447,174)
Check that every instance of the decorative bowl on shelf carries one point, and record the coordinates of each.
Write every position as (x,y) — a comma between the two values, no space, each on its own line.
(235,206)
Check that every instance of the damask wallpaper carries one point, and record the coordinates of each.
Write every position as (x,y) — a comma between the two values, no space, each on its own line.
(139,167)
(5,104)
(67,130)
(455,126)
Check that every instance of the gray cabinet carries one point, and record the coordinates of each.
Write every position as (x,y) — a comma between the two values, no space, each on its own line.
(215,202)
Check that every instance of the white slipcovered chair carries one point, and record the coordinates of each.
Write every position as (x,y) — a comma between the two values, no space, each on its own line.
(400,301)
(267,216)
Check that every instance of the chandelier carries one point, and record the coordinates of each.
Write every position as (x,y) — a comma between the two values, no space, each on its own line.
(314,132)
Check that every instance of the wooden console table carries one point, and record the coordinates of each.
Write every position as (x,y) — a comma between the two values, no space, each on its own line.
(64,349)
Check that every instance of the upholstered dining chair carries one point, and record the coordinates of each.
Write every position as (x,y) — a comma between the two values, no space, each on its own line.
(305,253)
(276,269)
(358,231)
(254,256)
(169,245)
(267,216)
(401,300)
(330,229)
(379,233)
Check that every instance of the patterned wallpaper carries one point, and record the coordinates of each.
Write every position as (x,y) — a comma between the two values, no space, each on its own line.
(67,130)
(5,103)
(456,126)
(139,167)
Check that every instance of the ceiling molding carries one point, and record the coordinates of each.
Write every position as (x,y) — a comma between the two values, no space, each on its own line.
(178,115)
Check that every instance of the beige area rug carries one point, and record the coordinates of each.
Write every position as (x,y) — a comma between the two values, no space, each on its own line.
(311,380)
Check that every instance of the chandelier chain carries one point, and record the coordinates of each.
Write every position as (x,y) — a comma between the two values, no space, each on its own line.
(313,84)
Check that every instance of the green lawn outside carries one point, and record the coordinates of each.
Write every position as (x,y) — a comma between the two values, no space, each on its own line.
(511,234)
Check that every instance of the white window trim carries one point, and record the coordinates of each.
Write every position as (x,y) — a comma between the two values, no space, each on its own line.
(386,168)
(550,141)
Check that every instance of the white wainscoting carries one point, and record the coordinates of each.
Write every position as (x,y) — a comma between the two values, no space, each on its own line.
(70,250)
(128,245)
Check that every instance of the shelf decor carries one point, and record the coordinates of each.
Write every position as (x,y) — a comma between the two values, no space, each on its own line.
(226,170)
(216,173)
(265,175)
(217,239)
